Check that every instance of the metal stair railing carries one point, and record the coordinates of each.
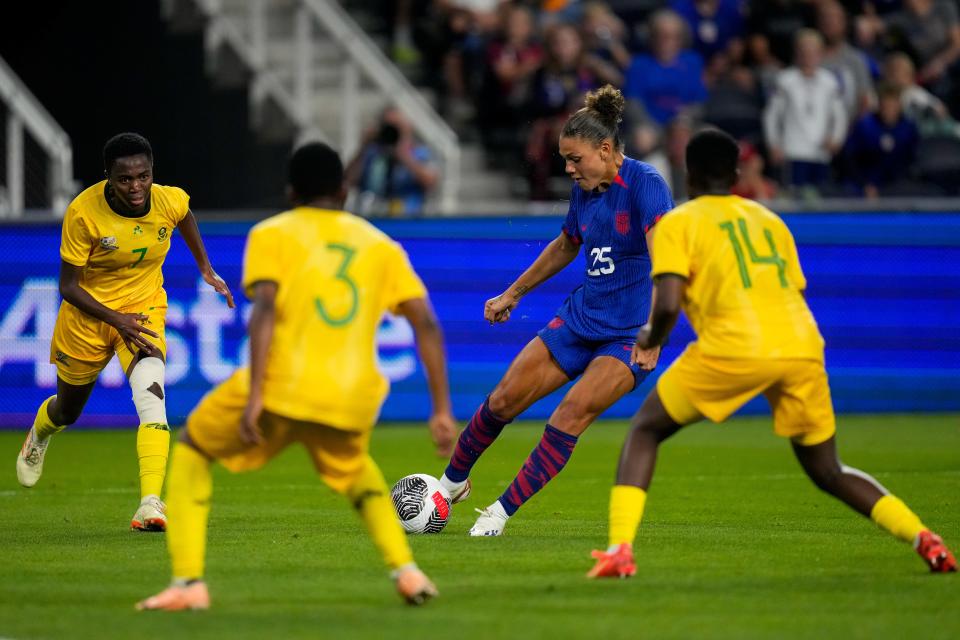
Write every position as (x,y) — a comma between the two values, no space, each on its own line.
(25,113)
(363,59)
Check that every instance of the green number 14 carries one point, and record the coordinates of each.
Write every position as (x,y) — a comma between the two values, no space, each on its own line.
(774,257)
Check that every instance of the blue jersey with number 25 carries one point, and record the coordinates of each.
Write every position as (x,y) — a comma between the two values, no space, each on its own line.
(614,300)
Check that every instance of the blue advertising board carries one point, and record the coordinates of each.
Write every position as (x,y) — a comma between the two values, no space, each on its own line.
(885,288)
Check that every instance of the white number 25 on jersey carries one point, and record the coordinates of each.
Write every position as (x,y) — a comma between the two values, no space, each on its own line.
(600,257)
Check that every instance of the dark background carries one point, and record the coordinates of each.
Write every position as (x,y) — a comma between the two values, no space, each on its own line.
(109,66)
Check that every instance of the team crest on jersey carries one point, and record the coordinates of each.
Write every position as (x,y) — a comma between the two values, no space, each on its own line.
(162,234)
(138,230)
(109,243)
(622,220)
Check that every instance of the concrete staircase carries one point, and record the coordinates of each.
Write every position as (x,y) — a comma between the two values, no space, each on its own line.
(304,60)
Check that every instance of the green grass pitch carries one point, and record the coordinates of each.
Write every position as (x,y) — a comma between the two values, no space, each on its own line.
(736,543)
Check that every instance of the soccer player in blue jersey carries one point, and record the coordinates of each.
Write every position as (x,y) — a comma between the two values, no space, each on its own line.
(614,204)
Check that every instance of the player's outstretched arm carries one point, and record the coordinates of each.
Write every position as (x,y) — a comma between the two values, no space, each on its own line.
(128,325)
(554,257)
(191,235)
(260,330)
(443,426)
(667,298)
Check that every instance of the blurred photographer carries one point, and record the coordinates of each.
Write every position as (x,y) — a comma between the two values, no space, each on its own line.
(392,173)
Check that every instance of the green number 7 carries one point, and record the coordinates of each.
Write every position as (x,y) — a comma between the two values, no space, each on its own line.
(774,257)
(143,252)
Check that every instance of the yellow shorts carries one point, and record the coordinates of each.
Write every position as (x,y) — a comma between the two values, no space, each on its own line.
(214,427)
(697,386)
(82,345)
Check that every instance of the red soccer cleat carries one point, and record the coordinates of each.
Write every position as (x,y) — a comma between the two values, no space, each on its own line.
(931,548)
(614,564)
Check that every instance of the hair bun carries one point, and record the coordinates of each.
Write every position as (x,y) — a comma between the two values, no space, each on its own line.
(608,102)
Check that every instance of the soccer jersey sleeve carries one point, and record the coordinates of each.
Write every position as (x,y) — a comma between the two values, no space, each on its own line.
(671,251)
(75,239)
(181,203)
(571,226)
(261,259)
(401,282)
(794,271)
(651,200)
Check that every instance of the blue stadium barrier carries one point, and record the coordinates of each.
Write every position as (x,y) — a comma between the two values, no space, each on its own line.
(885,288)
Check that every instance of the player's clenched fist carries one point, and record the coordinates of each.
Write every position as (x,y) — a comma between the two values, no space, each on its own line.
(498,309)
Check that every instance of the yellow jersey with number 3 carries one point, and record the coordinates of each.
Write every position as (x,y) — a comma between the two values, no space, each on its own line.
(336,274)
(121,257)
(744,295)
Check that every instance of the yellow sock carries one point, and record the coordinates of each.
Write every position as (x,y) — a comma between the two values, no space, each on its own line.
(371,499)
(153,444)
(626,510)
(43,426)
(188,506)
(893,515)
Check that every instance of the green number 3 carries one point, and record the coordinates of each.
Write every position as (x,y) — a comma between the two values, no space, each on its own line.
(143,252)
(348,253)
(774,257)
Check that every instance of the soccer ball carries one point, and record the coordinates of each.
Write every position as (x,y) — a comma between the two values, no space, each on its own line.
(422,504)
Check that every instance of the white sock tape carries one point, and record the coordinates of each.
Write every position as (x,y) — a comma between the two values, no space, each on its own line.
(147,377)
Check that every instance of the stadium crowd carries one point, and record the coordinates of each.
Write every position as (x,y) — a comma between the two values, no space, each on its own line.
(828,98)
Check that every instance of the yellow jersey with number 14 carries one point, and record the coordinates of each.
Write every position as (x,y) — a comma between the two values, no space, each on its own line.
(336,274)
(744,295)
(121,257)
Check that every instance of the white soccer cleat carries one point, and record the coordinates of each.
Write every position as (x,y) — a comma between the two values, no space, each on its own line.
(30,459)
(150,516)
(459,491)
(491,522)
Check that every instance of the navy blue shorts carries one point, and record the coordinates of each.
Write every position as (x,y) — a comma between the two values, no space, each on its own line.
(573,353)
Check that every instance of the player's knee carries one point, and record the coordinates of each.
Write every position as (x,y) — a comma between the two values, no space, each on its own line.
(573,416)
(642,424)
(146,382)
(64,415)
(826,477)
(504,402)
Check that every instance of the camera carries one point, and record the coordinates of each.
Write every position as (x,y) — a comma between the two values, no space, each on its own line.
(388,135)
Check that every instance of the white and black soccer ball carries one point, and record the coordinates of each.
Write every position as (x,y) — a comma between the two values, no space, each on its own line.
(422,504)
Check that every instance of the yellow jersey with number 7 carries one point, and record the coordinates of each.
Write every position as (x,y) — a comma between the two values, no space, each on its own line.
(121,257)
(744,295)
(336,275)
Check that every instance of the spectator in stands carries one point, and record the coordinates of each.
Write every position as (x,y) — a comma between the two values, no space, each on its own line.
(735,102)
(392,173)
(713,24)
(882,146)
(847,63)
(465,26)
(558,11)
(805,122)
(512,59)
(605,35)
(772,25)
(669,79)
(919,105)
(558,90)
(761,60)
(751,182)
(930,31)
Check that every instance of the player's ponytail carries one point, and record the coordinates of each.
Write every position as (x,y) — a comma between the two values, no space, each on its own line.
(599,119)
